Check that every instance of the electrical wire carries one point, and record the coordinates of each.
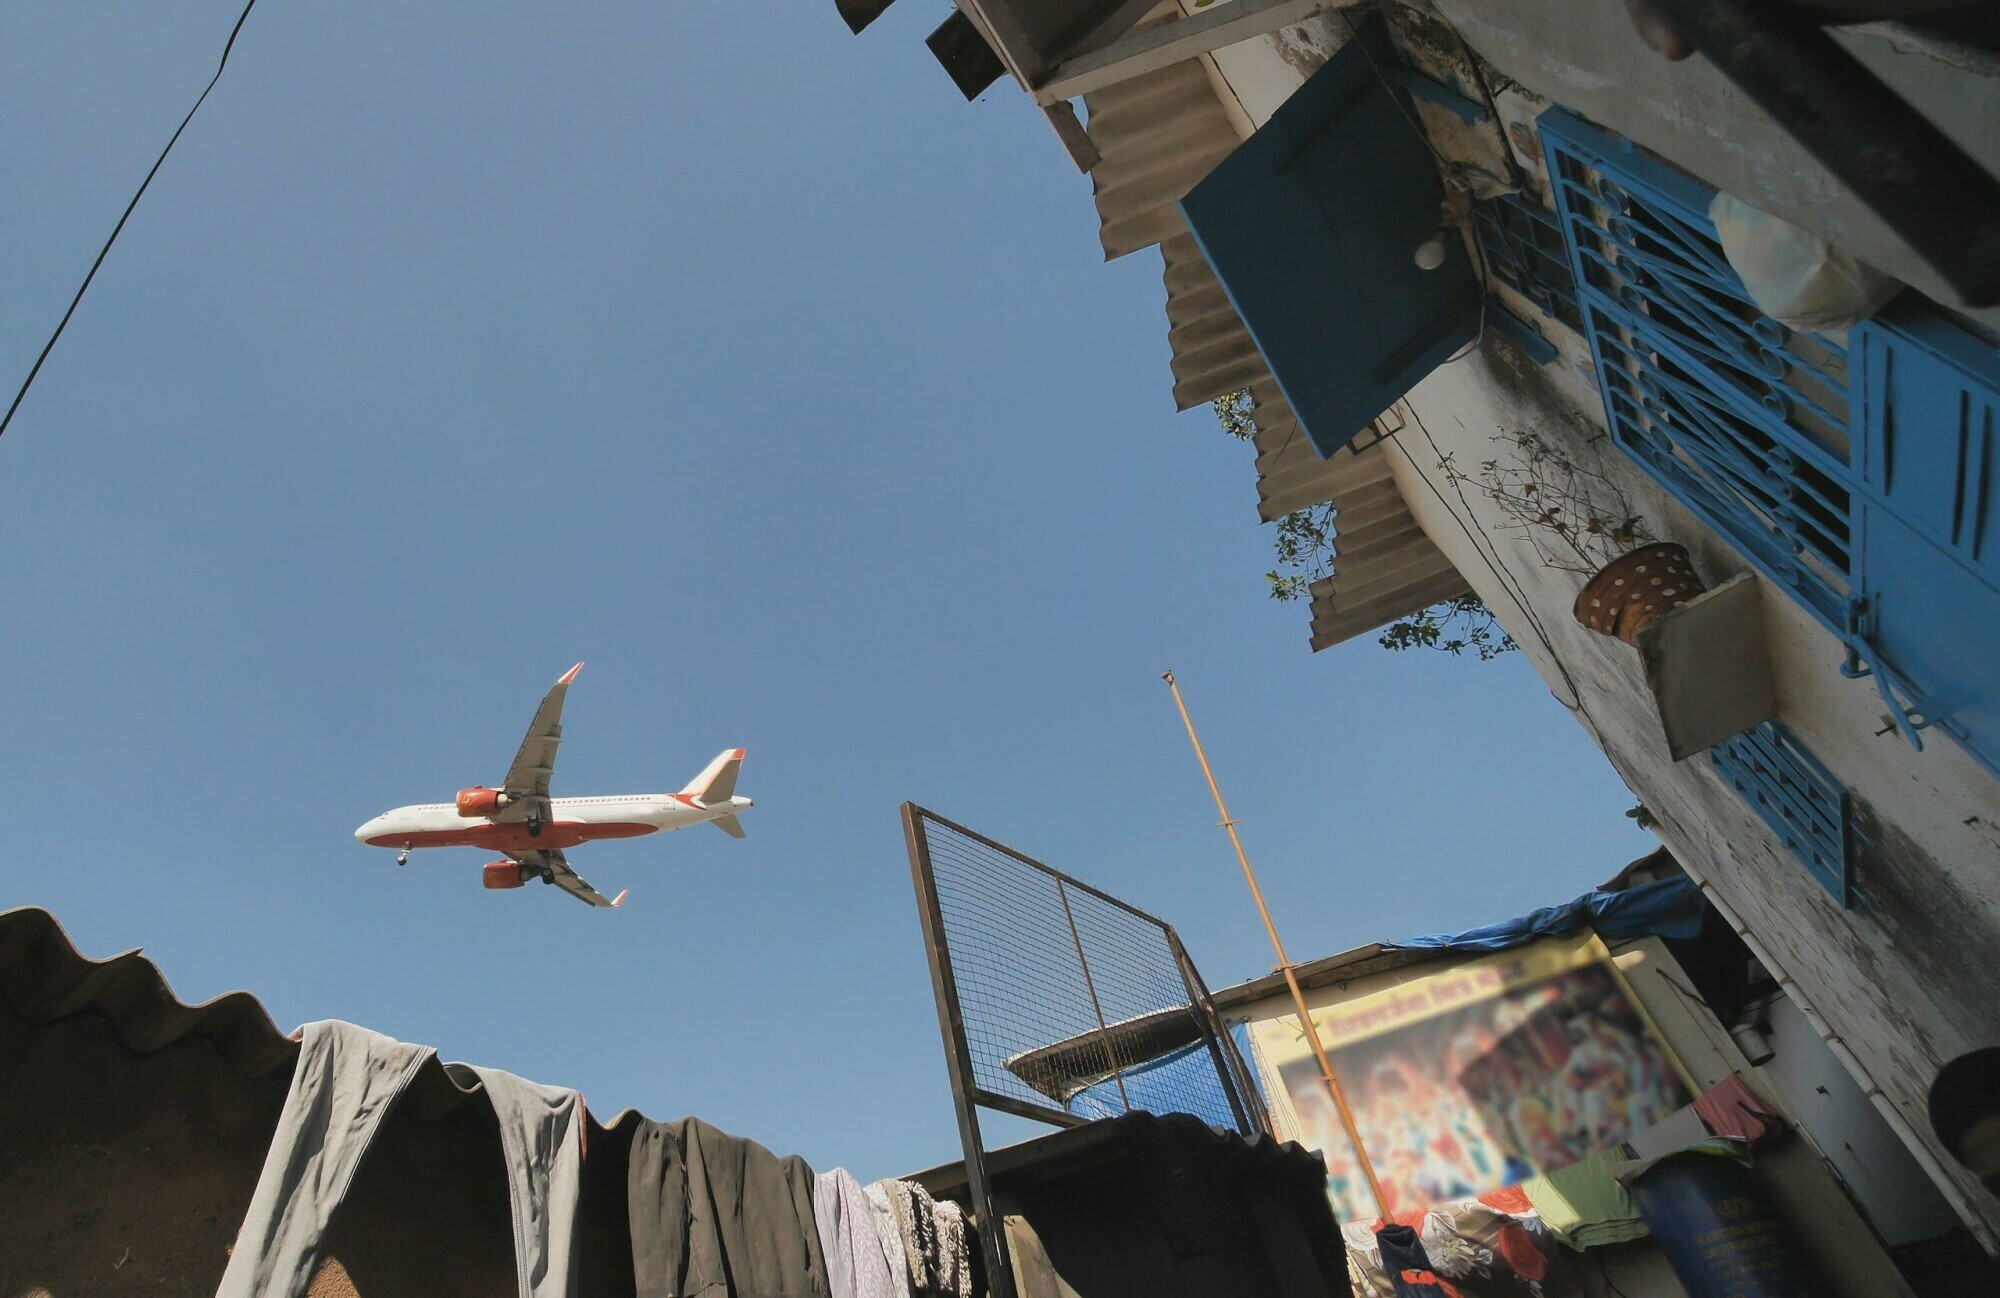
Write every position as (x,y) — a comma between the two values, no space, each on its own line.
(106,249)
(1499,572)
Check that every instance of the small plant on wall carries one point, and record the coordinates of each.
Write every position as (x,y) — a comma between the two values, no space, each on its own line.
(1576,518)
(1579,519)
(1305,544)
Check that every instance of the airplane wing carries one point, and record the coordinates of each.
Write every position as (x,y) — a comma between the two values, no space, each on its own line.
(528,778)
(555,868)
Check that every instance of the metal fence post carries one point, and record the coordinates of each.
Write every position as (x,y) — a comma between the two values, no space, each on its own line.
(958,1059)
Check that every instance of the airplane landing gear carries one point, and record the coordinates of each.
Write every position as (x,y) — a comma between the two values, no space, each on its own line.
(403,857)
(534,827)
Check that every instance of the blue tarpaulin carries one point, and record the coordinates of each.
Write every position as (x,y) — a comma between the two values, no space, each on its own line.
(1180,1081)
(1668,908)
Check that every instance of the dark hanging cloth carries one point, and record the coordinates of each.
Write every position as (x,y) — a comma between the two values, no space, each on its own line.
(1168,1207)
(1407,1265)
(717,1216)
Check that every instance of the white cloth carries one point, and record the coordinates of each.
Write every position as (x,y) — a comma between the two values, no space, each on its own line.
(890,1232)
(1793,275)
(541,1135)
(346,1081)
(856,1265)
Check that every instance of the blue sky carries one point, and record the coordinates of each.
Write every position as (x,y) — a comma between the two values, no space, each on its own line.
(737,357)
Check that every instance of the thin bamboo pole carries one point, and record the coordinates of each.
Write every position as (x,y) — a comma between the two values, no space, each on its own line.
(1382,1204)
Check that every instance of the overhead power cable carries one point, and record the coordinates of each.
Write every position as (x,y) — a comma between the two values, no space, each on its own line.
(84,287)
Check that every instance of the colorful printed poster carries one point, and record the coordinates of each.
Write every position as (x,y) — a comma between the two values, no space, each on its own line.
(1476,1077)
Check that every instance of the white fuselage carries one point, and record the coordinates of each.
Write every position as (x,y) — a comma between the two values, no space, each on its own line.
(571,821)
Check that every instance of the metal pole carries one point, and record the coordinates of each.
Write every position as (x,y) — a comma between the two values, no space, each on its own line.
(1382,1205)
(1103,1033)
(1203,1010)
(957,1057)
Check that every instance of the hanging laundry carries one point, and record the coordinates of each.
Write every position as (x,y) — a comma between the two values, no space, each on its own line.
(1492,1246)
(1583,1204)
(541,1137)
(717,1216)
(856,1265)
(346,1080)
(1730,1108)
(934,1241)
(1404,1259)
(890,1232)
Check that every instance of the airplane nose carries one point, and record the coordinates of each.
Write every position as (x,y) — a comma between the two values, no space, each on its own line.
(367,831)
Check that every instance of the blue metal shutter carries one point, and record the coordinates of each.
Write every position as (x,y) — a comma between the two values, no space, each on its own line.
(1857,478)
(1312,226)
(1927,547)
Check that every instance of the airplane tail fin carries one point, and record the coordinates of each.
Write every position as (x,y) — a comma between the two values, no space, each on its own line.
(729,825)
(717,783)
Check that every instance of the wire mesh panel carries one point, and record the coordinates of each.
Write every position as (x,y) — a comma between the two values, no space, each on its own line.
(1060,1003)
(1072,1004)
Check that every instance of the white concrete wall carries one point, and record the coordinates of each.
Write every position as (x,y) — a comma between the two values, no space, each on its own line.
(1906,981)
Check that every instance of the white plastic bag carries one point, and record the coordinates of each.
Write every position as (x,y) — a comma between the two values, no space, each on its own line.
(1793,275)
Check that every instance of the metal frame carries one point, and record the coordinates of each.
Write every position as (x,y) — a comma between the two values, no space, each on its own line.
(1524,248)
(968,1096)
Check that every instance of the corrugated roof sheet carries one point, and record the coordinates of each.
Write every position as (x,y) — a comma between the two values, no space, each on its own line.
(1160,134)
(45,980)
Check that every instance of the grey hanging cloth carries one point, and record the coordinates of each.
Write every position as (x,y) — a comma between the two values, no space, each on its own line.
(346,1081)
(856,1266)
(541,1136)
(717,1216)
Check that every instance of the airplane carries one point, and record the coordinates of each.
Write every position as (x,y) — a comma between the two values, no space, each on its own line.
(520,820)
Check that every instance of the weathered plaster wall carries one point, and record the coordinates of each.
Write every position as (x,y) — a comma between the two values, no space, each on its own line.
(1906,979)
(1590,59)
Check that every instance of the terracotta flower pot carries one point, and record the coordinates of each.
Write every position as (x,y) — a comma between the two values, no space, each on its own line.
(1636,587)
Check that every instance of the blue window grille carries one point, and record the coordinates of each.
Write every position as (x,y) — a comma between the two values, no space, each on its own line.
(1797,798)
(1523,244)
(1752,425)
(1740,417)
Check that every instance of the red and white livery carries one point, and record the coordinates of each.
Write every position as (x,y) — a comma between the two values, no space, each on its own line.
(519,820)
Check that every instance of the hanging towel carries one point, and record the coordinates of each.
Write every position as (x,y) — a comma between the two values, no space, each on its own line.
(856,1266)
(1583,1204)
(717,1216)
(1403,1257)
(889,1230)
(933,1240)
(1729,1108)
(541,1137)
(346,1081)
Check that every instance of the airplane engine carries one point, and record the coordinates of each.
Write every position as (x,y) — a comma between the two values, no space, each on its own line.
(480,801)
(505,874)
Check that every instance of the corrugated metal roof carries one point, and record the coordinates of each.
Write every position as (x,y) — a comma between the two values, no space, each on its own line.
(1160,134)
(44,979)
(1384,566)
